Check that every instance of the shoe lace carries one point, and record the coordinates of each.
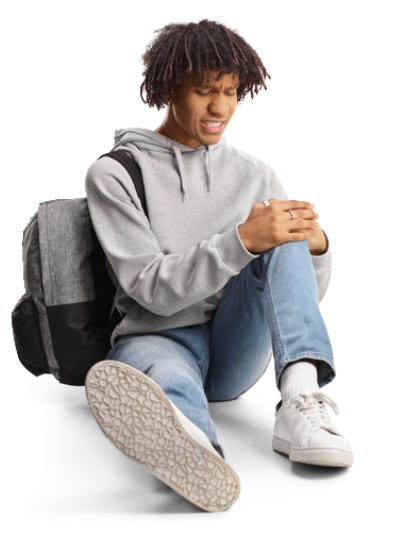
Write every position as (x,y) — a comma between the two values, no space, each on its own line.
(312,405)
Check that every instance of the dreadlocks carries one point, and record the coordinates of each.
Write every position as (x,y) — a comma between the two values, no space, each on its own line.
(193,48)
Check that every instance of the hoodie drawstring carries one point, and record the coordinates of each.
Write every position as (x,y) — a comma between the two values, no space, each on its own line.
(181,169)
(183,176)
(137,139)
(209,185)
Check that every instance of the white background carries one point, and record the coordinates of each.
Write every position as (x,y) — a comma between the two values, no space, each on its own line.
(339,122)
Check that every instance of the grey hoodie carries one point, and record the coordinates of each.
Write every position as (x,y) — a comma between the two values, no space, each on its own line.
(171,270)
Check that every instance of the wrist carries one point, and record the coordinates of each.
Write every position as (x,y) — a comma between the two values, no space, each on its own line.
(321,246)
(245,240)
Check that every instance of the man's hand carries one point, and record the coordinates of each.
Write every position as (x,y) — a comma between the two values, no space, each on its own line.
(317,242)
(267,227)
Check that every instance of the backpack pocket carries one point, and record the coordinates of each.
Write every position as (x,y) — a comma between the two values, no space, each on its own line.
(27,336)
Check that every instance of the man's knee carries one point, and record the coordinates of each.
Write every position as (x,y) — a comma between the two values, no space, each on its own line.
(168,374)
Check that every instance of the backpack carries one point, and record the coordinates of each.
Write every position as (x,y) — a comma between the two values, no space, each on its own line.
(63,322)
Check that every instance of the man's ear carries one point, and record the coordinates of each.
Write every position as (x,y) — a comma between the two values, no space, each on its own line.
(168,95)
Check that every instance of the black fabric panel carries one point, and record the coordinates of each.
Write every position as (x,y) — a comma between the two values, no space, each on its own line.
(80,338)
(27,336)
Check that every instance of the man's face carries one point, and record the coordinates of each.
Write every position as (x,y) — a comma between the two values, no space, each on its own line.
(191,105)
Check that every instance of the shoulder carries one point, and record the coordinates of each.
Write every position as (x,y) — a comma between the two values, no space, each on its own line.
(106,166)
(107,175)
(248,160)
(259,169)
(107,170)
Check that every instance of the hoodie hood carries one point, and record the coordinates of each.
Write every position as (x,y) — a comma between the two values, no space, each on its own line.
(146,139)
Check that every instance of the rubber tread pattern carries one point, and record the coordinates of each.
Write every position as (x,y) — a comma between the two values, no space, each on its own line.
(137,417)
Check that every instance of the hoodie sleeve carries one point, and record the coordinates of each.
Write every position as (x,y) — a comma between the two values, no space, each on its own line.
(162,283)
(323,262)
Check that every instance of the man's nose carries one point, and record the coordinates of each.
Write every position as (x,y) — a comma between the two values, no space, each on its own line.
(218,107)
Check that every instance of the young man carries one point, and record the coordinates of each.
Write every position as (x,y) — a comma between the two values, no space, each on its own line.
(224,273)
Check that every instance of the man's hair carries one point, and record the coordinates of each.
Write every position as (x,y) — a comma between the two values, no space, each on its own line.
(192,48)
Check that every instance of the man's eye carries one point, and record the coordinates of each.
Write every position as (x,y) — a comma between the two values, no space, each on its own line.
(201,93)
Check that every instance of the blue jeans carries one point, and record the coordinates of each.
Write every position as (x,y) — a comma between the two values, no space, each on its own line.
(270,307)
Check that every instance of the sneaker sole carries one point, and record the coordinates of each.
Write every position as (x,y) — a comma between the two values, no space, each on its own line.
(326,457)
(136,415)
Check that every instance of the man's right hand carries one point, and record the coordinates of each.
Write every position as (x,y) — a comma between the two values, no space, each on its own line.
(268,227)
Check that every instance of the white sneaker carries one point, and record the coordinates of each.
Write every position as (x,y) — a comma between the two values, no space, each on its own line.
(137,416)
(303,431)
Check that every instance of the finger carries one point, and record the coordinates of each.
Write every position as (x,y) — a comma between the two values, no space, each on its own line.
(301,225)
(304,214)
(292,204)
(299,236)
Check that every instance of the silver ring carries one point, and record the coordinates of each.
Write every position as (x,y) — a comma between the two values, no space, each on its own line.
(291,214)
(266,203)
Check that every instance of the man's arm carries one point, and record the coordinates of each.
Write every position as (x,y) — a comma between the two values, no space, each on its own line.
(162,283)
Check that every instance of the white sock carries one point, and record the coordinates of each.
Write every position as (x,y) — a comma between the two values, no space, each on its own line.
(299,377)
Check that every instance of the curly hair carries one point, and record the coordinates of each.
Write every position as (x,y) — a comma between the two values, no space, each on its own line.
(193,48)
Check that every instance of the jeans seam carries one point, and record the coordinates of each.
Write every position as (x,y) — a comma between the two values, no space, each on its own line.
(318,354)
(273,317)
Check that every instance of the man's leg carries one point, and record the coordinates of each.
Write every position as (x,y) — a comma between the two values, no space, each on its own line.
(177,360)
(148,399)
(271,306)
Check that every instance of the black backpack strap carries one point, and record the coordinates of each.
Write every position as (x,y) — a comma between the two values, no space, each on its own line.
(125,158)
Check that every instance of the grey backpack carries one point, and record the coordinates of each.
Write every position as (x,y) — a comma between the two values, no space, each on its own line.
(63,322)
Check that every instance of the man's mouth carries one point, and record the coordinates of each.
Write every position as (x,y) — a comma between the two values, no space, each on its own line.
(212,126)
